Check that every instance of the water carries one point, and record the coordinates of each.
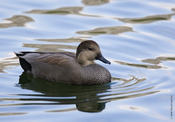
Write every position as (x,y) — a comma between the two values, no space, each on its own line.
(136,36)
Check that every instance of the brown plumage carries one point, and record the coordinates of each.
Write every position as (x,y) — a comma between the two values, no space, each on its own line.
(67,67)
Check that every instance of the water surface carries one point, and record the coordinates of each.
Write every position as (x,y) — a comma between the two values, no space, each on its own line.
(136,36)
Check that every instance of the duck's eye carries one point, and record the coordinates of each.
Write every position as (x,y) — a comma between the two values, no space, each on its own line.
(89,48)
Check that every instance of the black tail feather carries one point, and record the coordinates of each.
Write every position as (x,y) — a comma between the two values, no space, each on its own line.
(21,53)
(24,64)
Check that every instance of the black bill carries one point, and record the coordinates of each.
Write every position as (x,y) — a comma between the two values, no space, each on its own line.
(101,58)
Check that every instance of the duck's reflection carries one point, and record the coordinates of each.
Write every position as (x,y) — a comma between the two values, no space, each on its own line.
(86,98)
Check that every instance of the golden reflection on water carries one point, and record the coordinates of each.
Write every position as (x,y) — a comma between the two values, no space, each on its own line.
(158,60)
(50,47)
(132,81)
(76,10)
(147,19)
(139,65)
(65,40)
(95,2)
(6,62)
(10,114)
(63,11)
(107,30)
(63,110)
(144,110)
(16,20)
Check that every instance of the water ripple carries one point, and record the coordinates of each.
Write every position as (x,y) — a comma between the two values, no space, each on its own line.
(95,97)
(138,35)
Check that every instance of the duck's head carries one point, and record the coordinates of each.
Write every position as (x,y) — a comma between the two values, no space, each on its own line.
(88,51)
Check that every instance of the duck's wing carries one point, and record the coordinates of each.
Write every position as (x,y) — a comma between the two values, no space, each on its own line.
(55,58)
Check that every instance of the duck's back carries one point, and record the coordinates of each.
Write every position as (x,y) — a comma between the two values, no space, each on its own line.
(47,64)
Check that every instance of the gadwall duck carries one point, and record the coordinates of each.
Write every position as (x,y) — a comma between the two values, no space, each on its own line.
(67,67)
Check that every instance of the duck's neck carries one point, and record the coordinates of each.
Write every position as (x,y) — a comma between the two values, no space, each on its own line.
(83,60)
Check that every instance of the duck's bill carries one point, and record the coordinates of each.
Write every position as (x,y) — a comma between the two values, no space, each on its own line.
(104,60)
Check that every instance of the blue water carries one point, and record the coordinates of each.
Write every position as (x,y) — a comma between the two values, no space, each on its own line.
(136,36)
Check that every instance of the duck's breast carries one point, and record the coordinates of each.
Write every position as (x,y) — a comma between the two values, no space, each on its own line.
(95,74)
